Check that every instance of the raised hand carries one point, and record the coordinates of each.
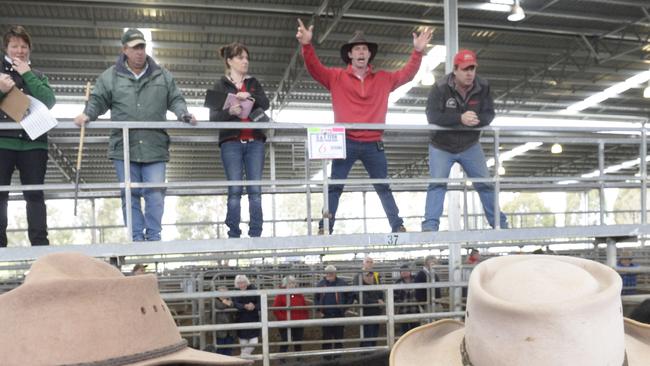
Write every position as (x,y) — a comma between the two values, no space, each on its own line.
(304,34)
(420,41)
(20,66)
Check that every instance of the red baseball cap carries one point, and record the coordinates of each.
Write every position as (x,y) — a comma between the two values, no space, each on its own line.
(465,58)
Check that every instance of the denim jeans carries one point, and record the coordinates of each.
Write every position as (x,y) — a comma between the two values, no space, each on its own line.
(225,341)
(239,158)
(32,165)
(374,160)
(473,162)
(369,331)
(146,226)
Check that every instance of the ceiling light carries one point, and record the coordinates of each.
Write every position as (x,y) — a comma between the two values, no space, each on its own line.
(517,13)
(502,170)
(556,148)
(503,2)
(610,92)
(646,91)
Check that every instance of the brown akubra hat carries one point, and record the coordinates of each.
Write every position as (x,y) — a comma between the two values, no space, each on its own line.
(76,310)
(358,38)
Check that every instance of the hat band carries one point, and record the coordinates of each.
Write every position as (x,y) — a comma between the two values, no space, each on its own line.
(137,357)
(467,362)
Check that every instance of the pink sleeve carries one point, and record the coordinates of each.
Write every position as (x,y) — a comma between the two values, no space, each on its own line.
(316,69)
(407,73)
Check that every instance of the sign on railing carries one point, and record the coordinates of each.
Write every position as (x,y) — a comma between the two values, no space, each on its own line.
(326,142)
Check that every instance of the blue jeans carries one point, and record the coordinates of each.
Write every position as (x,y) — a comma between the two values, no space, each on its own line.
(146,226)
(239,158)
(369,331)
(374,160)
(225,341)
(473,162)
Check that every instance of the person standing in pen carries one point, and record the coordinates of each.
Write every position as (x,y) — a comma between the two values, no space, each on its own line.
(136,88)
(17,150)
(360,95)
(242,151)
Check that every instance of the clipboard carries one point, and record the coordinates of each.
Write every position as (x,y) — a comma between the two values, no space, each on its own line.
(15,104)
(214,99)
(246,105)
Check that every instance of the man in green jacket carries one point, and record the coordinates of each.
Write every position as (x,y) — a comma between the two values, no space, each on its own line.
(136,88)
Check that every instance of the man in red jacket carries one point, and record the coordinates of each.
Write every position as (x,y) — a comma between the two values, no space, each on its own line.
(360,95)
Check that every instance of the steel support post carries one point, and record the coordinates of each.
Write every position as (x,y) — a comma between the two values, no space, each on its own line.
(273,187)
(451,42)
(127,185)
(643,171)
(264,314)
(390,313)
(497,182)
(601,183)
(611,252)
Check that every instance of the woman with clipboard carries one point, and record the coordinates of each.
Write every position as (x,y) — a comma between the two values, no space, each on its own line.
(17,150)
(242,151)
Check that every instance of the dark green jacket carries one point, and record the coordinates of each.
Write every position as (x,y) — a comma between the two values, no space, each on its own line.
(32,83)
(144,99)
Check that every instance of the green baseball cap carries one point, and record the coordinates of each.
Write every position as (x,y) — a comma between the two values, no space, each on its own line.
(133,37)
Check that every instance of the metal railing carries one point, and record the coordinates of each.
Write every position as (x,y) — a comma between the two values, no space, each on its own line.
(389,319)
(636,134)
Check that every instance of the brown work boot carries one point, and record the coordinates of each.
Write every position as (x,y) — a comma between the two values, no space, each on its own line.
(321,231)
(400,229)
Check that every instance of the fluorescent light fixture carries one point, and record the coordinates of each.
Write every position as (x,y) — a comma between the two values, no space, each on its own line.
(503,2)
(615,168)
(610,92)
(646,91)
(517,13)
(502,8)
(519,150)
(434,57)
(556,148)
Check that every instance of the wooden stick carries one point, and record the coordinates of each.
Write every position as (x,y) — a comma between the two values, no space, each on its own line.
(82,134)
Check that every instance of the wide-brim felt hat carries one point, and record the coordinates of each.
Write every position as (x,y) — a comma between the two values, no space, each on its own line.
(533,310)
(358,38)
(76,310)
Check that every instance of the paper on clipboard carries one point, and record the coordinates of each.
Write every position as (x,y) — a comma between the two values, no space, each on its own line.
(246,105)
(39,120)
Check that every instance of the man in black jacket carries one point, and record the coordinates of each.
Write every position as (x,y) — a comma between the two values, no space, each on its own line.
(461,101)
(330,300)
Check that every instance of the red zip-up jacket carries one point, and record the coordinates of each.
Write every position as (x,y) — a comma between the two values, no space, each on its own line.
(356,100)
(296,300)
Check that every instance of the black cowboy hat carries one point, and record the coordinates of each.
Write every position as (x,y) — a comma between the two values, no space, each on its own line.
(358,38)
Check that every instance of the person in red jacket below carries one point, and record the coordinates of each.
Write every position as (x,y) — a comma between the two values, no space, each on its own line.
(280,301)
(360,95)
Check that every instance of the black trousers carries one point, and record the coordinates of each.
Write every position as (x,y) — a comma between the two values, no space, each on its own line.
(31,165)
(333,332)
(297,334)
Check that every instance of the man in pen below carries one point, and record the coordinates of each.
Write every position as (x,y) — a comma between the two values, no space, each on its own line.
(136,88)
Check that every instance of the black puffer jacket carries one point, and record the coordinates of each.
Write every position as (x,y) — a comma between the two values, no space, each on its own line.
(219,115)
(445,106)
(247,316)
